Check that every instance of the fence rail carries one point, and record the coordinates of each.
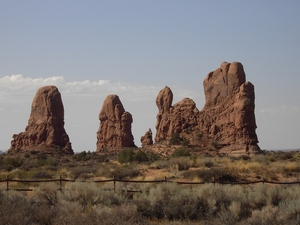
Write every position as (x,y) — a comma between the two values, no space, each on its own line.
(115,180)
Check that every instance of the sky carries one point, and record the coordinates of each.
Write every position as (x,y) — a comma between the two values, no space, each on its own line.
(90,49)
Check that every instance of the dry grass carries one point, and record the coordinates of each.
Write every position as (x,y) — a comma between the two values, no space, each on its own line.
(167,203)
(270,166)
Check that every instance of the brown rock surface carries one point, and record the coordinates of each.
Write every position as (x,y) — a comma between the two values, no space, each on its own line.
(174,118)
(45,130)
(115,126)
(226,124)
(147,139)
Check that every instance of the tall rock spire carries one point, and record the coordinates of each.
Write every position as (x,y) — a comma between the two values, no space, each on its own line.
(115,126)
(45,130)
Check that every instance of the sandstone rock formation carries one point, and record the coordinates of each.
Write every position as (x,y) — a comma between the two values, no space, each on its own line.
(171,119)
(45,130)
(147,139)
(226,124)
(115,126)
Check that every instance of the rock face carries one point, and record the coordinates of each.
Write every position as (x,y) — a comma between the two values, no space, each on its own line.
(115,126)
(147,140)
(171,119)
(226,123)
(45,130)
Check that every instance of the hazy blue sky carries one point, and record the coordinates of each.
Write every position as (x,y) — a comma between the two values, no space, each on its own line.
(90,49)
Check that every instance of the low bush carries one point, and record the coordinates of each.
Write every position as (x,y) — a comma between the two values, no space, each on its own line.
(179,164)
(42,175)
(85,156)
(47,193)
(12,161)
(126,155)
(82,172)
(175,139)
(129,155)
(141,156)
(199,136)
(185,142)
(168,203)
(208,163)
(181,152)
(210,175)
(126,172)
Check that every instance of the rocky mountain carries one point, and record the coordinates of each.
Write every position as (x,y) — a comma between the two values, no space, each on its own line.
(115,126)
(45,130)
(226,124)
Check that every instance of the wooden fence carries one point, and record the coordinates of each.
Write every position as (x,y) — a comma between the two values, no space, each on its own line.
(115,181)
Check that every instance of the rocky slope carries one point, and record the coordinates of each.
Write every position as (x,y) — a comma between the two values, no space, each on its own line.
(45,130)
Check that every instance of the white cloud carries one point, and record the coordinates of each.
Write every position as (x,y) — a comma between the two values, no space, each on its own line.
(15,88)
(282,110)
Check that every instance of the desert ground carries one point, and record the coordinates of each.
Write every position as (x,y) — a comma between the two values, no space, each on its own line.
(182,188)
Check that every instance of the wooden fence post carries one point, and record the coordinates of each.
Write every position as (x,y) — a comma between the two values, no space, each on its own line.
(60,183)
(7,183)
(114,183)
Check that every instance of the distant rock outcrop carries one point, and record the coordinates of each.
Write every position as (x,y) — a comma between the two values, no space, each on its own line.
(45,130)
(226,124)
(147,139)
(115,126)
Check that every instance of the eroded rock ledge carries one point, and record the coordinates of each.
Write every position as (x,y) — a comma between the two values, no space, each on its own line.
(226,123)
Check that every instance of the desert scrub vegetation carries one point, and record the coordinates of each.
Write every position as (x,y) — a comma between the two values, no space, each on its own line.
(129,155)
(138,163)
(165,203)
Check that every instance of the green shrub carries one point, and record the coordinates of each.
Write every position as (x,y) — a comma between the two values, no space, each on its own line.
(82,156)
(126,155)
(13,161)
(172,202)
(208,163)
(208,175)
(185,142)
(152,156)
(41,159)
(51,161)
(42,175)
(126,172)
(180,164)
(83,172)
(175,139)
(89,194)
(168,203)
(215,144)
(42,156)
(141,156)
(181,152)
(47,193)
(33,152)
(7,167)
(199,136)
